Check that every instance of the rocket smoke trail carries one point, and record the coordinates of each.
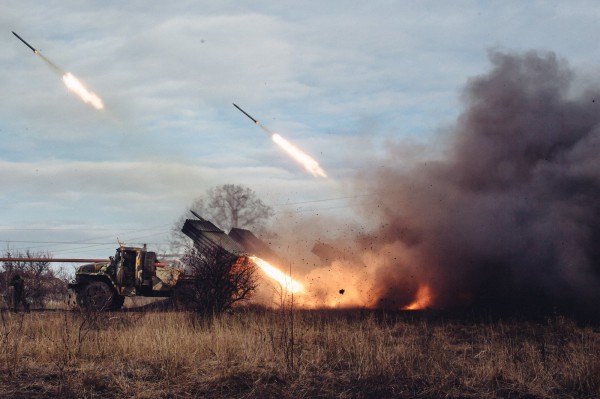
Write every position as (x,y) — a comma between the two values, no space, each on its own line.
(511,218)
(52,65)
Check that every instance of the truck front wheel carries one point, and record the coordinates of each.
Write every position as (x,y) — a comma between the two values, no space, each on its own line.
(96,296)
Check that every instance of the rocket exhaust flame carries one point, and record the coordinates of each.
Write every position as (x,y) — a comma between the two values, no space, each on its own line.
(300,156)
(309,163)
(422,299)
(78,88)
(287,283)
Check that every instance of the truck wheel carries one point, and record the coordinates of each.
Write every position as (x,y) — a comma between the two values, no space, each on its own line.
(97,295)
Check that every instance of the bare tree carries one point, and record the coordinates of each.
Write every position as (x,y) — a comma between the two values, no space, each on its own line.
(227,206)
(233,205)
(219,281)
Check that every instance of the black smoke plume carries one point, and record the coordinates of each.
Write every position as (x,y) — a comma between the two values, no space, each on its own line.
(510,218)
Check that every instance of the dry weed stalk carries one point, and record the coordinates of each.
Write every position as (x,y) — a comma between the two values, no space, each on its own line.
(11,340)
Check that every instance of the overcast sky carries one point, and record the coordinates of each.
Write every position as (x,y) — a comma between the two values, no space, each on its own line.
(340,79)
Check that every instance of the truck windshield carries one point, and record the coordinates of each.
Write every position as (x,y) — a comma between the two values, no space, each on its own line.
(118,257)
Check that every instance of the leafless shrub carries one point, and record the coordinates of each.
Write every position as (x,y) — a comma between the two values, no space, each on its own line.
(286,334)
(218,280)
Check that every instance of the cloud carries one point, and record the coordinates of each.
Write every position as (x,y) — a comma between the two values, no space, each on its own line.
(130,186)
(341,79)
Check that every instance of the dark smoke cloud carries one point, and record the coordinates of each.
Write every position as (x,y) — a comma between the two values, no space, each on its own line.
(511,217)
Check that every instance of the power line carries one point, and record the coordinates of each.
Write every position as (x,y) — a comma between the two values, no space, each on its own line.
(63,242)
(96,245)
(323,209)
(52,242)
(87,244)
(6,228)
(325,200)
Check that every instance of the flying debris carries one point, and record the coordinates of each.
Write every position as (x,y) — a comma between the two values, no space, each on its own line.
(310,164)
(27,44)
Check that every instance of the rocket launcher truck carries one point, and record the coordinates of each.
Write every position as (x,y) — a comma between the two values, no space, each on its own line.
(135,271)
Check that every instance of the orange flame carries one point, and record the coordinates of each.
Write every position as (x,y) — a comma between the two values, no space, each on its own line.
(78,88)
(286,282)
(422,300)
(303,158)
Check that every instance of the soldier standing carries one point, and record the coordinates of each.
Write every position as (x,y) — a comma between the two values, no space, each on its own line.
(18,292)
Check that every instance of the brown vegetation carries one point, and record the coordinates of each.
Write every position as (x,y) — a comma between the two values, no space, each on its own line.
(43,285)
(220,280)
(254,354)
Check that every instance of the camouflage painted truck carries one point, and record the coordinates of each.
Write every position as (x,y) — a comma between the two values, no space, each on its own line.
(104,284)
(133,271)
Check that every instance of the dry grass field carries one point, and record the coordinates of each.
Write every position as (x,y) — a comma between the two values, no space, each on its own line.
(307,354)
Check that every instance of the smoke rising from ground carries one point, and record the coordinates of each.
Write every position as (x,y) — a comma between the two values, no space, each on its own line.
(511,217)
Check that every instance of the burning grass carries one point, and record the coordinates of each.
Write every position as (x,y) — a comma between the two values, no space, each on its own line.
(294,354)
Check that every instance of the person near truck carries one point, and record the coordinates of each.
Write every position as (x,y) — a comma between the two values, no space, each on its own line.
(18,284)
